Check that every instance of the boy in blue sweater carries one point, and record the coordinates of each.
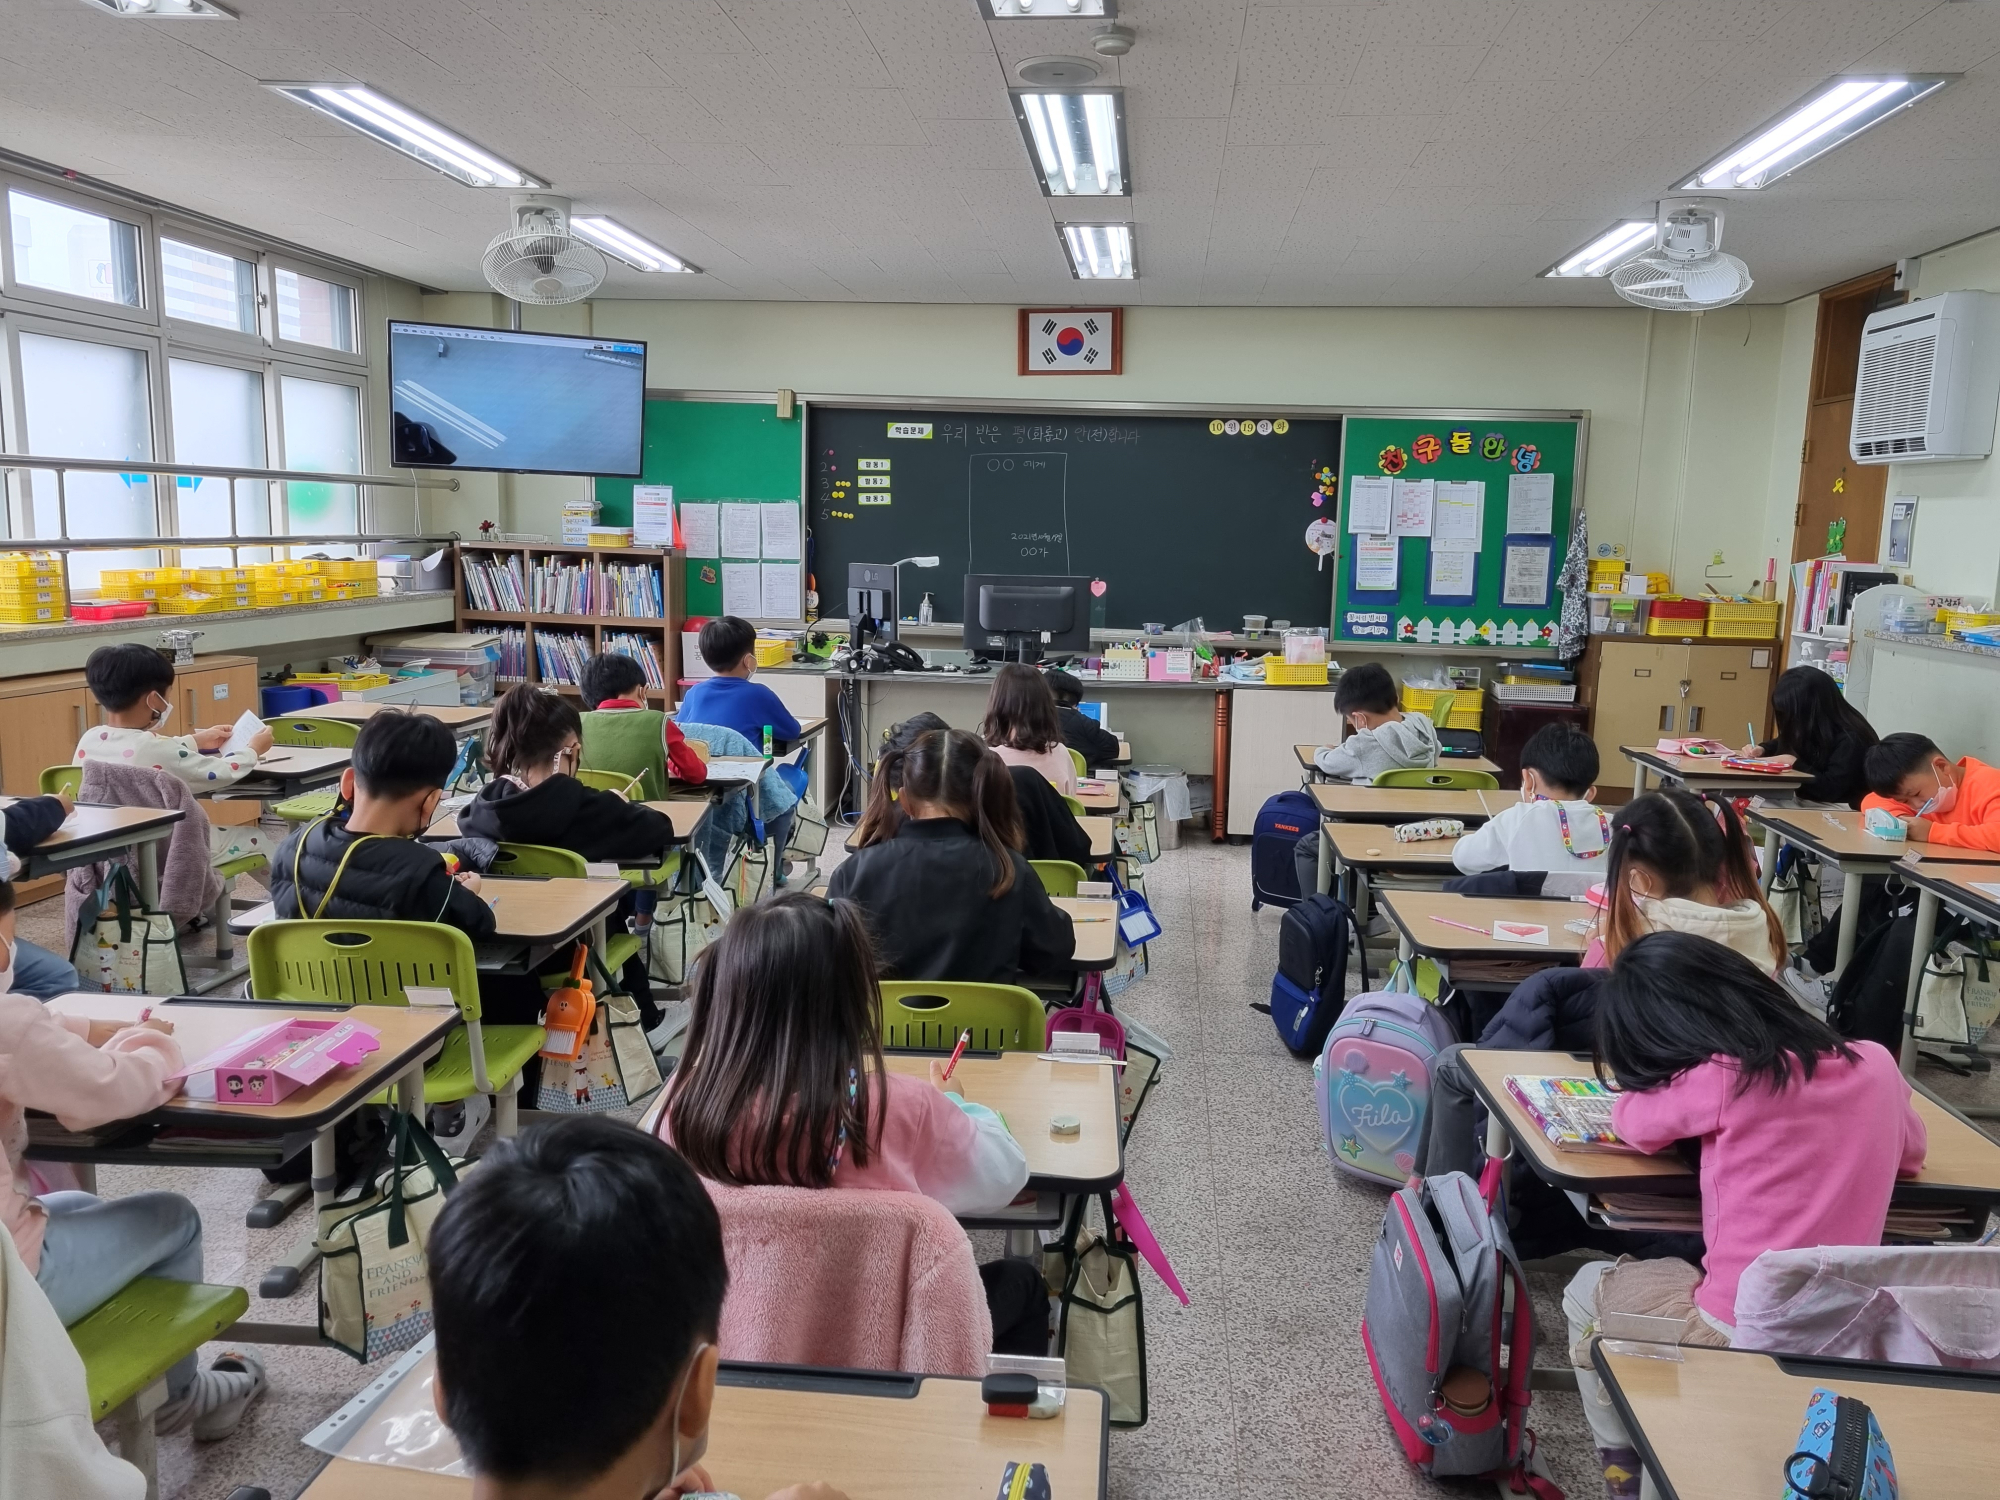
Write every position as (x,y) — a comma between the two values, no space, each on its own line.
(729,646)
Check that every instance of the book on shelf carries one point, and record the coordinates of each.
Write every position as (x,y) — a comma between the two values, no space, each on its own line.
(626,643)
(560,655)
(1573,1114)
(632,591)
(491,583)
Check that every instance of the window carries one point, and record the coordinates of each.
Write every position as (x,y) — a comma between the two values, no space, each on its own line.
(311,311)
(322,428)
(64,249)
(218,419)
(205,286)
(85,400)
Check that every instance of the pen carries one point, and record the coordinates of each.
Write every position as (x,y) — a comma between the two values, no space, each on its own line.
(964,1040)
(1447,921)
(145,1015)
(1753,740)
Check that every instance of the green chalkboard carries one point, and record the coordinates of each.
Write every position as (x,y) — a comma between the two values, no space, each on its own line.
(1509,597)
(1176,516)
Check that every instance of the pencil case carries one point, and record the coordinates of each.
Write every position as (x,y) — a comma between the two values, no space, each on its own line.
(1883,824)
(1429,828)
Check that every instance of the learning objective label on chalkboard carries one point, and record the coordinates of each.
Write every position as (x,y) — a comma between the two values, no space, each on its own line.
(1370,622)
(910,429)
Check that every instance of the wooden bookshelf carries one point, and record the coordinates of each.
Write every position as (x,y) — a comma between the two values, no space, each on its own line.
(663,634)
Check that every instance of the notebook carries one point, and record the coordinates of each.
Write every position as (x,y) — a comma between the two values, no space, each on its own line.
(1573,1113)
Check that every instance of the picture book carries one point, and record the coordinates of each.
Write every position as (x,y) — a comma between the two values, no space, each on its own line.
(1573,1113)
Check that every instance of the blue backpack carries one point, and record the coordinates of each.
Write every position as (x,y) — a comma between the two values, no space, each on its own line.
(1281,822)
(1307,991)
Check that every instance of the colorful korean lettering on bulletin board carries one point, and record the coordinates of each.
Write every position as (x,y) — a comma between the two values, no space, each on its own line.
(1453,529)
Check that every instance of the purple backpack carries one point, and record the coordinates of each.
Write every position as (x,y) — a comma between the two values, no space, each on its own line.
(1372,1081)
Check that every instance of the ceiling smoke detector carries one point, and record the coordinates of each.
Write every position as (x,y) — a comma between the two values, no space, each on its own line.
(1059,72)
(1114,40)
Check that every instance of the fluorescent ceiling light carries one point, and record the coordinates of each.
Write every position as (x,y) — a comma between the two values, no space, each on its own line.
(1830,116)
(1611,249)
(1047,10)
(409,132)
(1076,140)
(1100,252)
(616,240)
(163,10)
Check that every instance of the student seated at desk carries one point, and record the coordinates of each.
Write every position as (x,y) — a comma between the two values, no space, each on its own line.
(83,1249)
(1382,736)
(1821,732)
(620,733)
(1802,1137)
(1022,729)
(729,646)
(37,971)
(783,1085)
(132,684)
(940,874)
(1953,804)
(581,1234)
(1049,830)
(1554,827)
(1097,745)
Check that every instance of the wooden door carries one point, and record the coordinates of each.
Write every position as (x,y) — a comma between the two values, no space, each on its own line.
(1832,487)
(1731,691)
(38,730)
(1642,693)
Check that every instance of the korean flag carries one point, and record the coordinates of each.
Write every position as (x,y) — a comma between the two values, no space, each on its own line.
(1073,342)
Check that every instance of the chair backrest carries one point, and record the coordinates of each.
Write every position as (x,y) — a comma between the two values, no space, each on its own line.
(62,779)
(927,1015)
(1058,876)
(539,859)
(1077,760)
(324,734)
(361,963)
(1076,808)
(612,781)
(1442,779)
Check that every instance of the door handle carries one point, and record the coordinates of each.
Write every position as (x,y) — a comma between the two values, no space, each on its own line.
(1694,720)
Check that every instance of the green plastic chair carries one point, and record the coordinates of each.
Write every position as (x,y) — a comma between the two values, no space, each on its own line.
(130,1342)
(62,779)
(927,1015)
(372,963)
(1442,779)
(307,805)
(319,734)
(1058,876)
(1076,759)
(612,781)
(1076,808)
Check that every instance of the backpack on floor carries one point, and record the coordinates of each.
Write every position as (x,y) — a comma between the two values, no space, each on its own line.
(1435,1330)
(1281,822)
(1372,1080)
(1306,993)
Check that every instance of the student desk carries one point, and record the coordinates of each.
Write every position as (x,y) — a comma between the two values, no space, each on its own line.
(94,831)
(1097,826)
(1094,919)
(1703,773)
(1366,852)
(286,770)
(1942,882)
(682,812)
(1445,763)
(1716,1424)
(1028,1091)
(458,718)
(1124,755)
(870,1434)
(1098,796)
(1413,911)
(253,1135)
(1346,802)
(808,729)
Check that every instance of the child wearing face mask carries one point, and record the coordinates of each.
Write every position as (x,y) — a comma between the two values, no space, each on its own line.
(1554,827)
(1952,803)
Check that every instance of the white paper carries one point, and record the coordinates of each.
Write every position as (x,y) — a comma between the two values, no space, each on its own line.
(1525,582)
(1413,507)
(701,528)
(781,530)
(1988,886)
(241,732)
(1370,500)
(1452,573)
(418,994)
(1457,515)
(742,589)
(653,515)
(1531,504)
(742,530)
(780,590)
(1521,932)
(1375,563)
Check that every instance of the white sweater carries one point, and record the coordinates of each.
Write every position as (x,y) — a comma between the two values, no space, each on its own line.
(1529,836)
(1409,741)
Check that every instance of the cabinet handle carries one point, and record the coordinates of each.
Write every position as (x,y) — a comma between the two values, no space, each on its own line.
(77,709)
(1694,720)
(1666,718)
(191,721)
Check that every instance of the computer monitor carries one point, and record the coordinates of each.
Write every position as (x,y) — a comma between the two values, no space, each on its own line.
(1026,615)
(871,602)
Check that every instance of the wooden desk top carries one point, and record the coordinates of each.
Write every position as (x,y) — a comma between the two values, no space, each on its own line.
(92,823)
(1095,922)
(1832,833)
(1028,1092)
(1412,912)
(407,1032)
(1708,768)
(808,728)
(937,1444)
(285,762)
(1955,882)
(1398,804)
(1122,758)
(1720,1423)
(1304,753)
(734,769)
(548,911)
(682,812)
(1370,846)
(1098,796)
(360,710)
(1959,1156)
(1097,826)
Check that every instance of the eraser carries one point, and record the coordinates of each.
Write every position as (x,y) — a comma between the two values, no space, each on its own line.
(1065,1125)
(1009,1394)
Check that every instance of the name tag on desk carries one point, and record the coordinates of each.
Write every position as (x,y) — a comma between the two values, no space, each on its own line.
(418,994)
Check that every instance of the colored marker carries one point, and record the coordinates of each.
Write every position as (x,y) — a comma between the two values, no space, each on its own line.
(1469,927)
(964,1041)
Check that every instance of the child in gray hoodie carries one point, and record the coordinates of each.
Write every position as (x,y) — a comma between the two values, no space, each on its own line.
(1384,738)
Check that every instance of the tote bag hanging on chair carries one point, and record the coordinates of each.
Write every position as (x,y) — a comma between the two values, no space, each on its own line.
(122,948)
(374,1277)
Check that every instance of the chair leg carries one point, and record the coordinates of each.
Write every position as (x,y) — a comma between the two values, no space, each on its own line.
(507,1110)
(225,908)
(138,1445)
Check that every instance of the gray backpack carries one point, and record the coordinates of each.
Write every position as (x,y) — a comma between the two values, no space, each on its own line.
(1434,1332)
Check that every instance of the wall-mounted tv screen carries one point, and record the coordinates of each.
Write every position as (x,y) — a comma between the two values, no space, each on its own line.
(522,403)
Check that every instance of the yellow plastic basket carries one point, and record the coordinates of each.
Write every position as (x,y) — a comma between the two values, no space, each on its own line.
(193,604)
(347,682)
(1294,673)
(1755,621)
(21,593)
(1966,619)
(117,580)
(218,578)
(29,565)
(352,588)
(1447,708)
(265,598)
(348,569)
(33,614)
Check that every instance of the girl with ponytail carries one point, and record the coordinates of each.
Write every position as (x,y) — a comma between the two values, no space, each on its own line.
(1681,862)
(939,872)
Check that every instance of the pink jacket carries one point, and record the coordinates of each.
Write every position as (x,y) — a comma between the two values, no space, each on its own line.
(1054,763)
(860,1280)
(46,1063)
(1903,1304)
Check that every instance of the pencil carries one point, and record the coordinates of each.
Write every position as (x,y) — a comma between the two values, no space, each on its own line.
(964,1040)
(1468,926)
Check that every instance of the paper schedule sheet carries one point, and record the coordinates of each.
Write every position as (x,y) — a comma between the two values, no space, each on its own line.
(1413,507)
(781,530)
(1531,504)
(742,589)
(701,528)
(1375,564)
(780,589)
(1458,512)
(742,529)
(1452,574)
(1370,504)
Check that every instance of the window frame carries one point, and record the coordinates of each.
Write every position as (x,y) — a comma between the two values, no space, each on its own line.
(320,353)
(192,334)
(261,368)
(274,399)
(146,314)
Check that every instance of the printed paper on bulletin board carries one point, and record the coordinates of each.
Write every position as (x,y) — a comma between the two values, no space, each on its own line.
(1448,450)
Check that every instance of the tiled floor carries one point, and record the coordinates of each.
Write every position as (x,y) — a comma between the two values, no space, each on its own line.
(1258,1389)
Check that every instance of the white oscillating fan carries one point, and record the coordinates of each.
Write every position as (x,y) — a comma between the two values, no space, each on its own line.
(539,261)
(1686,270)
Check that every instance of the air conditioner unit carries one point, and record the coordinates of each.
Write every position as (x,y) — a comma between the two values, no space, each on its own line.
(1929,383)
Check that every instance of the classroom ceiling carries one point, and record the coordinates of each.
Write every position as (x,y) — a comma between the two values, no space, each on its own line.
(1284,152)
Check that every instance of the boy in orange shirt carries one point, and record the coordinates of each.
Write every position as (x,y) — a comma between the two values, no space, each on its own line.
(1955,805)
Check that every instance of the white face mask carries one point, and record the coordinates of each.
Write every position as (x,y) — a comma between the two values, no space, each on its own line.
(162,714)
(7,972)
(680,1464)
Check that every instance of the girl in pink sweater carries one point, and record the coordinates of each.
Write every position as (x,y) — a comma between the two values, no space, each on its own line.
(1802,1137)
(783,1084)
(1023,727)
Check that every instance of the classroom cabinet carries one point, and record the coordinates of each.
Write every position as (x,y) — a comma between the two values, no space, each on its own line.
(42,717)
(1639,690)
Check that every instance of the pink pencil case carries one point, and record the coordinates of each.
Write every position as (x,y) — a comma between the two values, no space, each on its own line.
(273,1061)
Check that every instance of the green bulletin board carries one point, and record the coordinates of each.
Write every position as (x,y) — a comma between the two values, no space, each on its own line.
(1510,598)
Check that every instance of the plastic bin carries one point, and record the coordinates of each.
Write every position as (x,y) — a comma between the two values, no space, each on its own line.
(1294,673)
(1447,708)
(475,657)
(1755,621)
(1617,614)
(30,565)
(1681,618)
